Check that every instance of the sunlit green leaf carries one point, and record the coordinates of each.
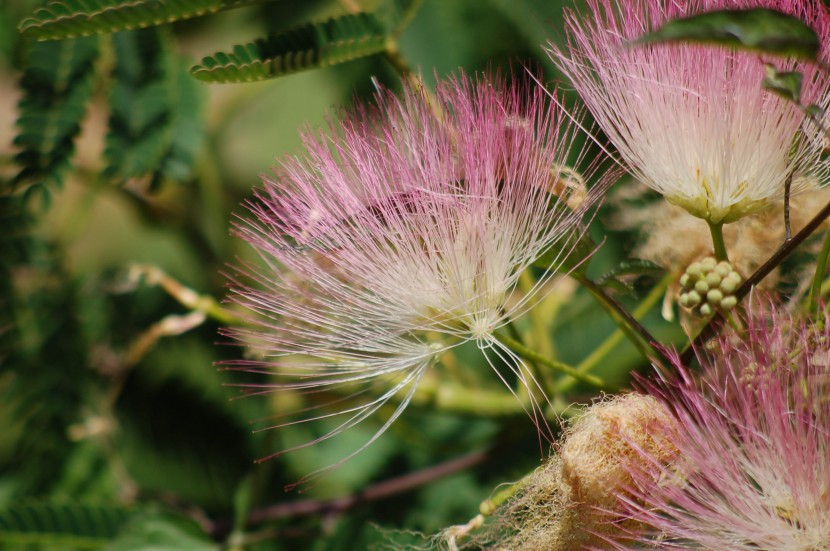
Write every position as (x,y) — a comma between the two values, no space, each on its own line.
(759,29)
(314,45)
(71,18)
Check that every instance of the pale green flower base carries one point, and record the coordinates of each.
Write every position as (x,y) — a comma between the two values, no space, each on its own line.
(701,207)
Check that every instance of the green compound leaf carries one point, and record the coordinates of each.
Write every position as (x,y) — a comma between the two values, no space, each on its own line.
(310,46)
(786,84)
(162,532)
(572,253)
(56,84)
(71,18)
(622,278)
(187,126)
(61,525)
(155,121)
(759,29)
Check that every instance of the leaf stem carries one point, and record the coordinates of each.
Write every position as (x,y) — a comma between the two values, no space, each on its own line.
(186,296)
(378,491)
(489,505)
(534,356)
(407,17)
(717,241)
(456,398)
(636,333)
(614,339)
(821,268)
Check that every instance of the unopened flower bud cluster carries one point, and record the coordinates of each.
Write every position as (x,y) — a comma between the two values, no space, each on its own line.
(709,285)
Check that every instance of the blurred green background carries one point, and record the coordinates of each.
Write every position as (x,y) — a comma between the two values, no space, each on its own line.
(114,435)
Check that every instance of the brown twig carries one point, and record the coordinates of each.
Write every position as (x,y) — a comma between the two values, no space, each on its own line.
(381,490)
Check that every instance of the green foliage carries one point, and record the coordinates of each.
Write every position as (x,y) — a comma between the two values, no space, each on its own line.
(77,420)
(61,524)
(186,128)
(621,279)
(172,440)
(43,355)
(70,18)
(313,45)
(57,83)
(759,29)
(162,532)
(571,253)
(155,129)
(786,84)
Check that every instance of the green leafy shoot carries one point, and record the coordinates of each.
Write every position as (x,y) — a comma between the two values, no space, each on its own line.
(314,45)
(70,18)
(760,30)
(155,122)
(56,84)
(60,524)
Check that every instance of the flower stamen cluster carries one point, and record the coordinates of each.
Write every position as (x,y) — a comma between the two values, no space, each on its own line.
(402,233)
(692,121)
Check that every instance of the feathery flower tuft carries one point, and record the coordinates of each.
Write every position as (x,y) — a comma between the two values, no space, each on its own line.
(692,121)
(567,503)
(753,436)
(400,234)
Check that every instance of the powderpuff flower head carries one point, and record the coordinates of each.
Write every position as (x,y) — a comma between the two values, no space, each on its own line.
(753,438)
(692,121)
(400,233)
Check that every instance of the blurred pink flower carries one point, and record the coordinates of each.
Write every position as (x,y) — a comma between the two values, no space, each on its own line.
(753,440)
(399,234)
(692,121)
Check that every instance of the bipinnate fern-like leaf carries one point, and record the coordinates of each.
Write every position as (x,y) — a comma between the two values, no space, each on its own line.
(70,18)
(186,126)
(155,117)
(309,46)
(56,84)
(60,525)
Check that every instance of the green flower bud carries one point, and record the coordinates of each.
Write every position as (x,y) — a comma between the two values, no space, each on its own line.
(709,285)
(728,286)
(729,302)
(694,270)
(694,298)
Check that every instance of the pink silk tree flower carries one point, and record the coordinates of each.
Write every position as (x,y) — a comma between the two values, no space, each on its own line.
(753,440)
(692,121)
(399,234)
